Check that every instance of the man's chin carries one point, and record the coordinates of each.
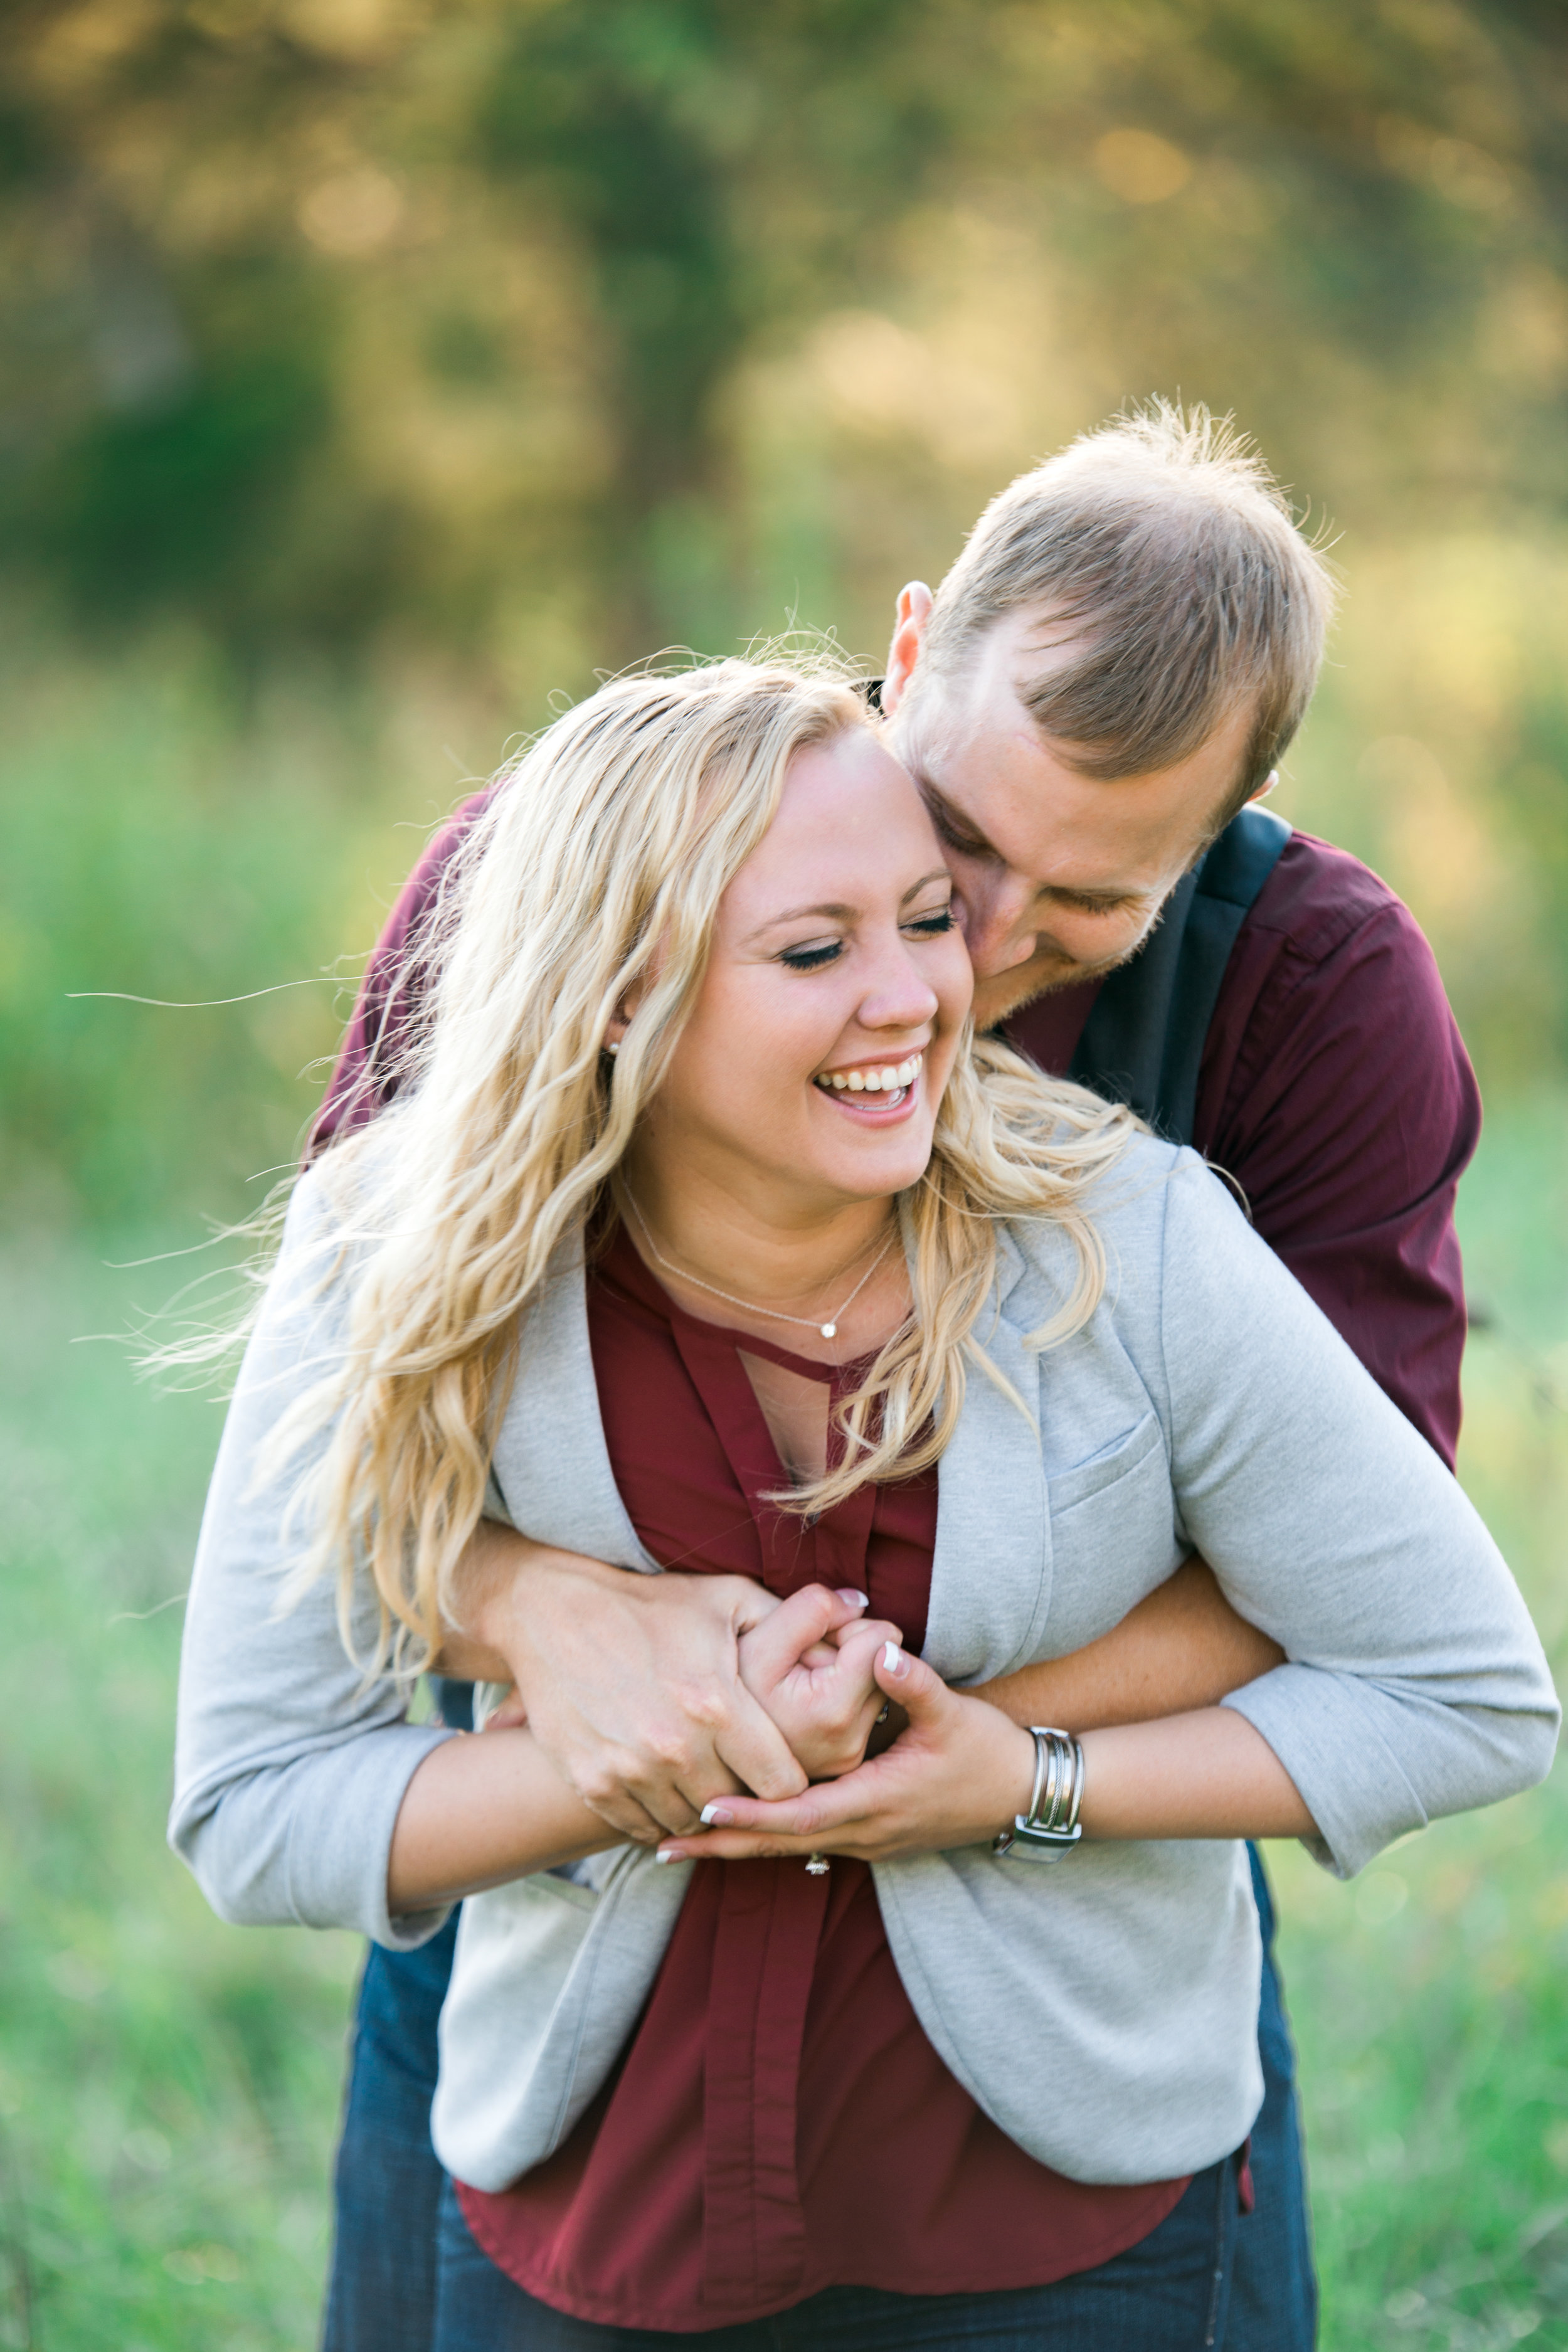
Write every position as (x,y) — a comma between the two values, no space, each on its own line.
(1009,991)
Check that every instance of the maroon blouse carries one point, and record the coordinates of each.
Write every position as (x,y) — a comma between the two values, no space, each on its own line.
(779,2122)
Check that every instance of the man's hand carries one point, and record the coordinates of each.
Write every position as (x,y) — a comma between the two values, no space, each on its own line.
(631,1684)
(811,1664)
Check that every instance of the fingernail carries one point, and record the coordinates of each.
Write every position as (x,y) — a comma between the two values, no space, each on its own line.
(714,1817)
(854,1599)
(668,1854)
(893,1659)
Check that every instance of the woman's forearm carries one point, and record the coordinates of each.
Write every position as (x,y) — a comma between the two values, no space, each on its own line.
(1205,1775)
(482,1809)
(961,1772)
(1182,1647)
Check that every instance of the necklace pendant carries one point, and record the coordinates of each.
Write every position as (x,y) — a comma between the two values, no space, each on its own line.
(830,1330)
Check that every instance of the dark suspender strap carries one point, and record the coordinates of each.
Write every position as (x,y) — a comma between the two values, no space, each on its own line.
(1143,1041)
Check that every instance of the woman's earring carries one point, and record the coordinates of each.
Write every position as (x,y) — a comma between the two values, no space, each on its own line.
(614,1047)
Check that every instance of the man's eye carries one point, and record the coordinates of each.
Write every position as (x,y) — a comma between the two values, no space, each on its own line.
(956,836)
(811,959)
(930,927)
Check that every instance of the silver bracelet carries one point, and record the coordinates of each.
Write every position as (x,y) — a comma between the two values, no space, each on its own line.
(1047,1835)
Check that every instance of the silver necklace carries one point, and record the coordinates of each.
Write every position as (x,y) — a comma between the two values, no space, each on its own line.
(829,1330)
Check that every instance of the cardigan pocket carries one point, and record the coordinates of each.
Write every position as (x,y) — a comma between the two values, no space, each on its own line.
(1113,1535)
(1117,1459)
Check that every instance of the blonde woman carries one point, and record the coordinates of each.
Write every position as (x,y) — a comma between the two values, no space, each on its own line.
(706,1236)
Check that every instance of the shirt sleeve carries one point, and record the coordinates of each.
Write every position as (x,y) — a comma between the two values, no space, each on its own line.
(1349,1118)
(391,996)
(290,1767)
(1415,1685)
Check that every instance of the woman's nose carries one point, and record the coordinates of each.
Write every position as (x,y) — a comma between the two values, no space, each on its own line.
(899,998)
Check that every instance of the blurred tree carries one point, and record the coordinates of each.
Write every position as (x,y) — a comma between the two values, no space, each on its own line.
(425,355)
(324,315)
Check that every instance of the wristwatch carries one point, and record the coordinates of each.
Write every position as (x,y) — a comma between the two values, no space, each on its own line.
(1051,1827)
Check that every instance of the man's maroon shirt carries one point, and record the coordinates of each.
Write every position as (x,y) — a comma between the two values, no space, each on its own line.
(1334,1091)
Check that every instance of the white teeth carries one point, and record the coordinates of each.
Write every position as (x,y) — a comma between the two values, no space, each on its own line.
(882,1081)
(887,1079)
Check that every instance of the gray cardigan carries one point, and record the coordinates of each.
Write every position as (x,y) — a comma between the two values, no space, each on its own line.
(1103,2011)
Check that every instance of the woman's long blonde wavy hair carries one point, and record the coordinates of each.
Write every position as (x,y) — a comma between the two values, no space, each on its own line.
(591,882)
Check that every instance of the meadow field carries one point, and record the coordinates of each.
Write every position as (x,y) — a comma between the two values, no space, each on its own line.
(169,2086)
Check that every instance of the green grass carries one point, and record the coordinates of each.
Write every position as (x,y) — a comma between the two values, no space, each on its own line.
(1431,1997)
(169,2086)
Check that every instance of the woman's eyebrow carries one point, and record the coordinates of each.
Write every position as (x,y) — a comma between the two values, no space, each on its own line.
(837,911)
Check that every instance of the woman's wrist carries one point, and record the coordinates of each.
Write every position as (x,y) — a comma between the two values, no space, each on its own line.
(1014,1778)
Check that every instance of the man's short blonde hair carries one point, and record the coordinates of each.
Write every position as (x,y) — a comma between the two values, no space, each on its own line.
(1165,543)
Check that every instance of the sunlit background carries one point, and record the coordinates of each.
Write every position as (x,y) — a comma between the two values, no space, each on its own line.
(372,375)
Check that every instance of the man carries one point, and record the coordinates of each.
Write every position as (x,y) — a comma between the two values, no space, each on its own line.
(1090,702)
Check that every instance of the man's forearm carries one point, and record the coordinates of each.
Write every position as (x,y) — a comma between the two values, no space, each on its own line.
(480,1811)
(1182,1648)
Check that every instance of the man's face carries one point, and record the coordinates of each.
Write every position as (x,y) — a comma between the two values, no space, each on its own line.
(1059,876)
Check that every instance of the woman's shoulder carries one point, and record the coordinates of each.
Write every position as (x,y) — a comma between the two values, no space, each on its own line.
(1133,1206)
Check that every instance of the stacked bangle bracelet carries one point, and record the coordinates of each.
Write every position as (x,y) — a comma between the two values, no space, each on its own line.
(1051,1827)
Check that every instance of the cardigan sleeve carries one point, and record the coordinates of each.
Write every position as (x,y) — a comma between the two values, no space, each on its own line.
(290,1768)
(1415,1685)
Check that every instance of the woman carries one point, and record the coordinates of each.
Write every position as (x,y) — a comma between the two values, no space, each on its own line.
(706,1236)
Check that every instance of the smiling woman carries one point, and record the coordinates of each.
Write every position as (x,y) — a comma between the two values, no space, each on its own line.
(767,1168)
(547,1286)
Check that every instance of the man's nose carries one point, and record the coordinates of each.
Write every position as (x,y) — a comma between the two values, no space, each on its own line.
(994,912)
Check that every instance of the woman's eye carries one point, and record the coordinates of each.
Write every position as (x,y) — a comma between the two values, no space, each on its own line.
(930,927)
(811,959)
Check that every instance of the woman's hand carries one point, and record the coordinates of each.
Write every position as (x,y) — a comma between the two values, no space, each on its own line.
(956,1776)
(811,1665)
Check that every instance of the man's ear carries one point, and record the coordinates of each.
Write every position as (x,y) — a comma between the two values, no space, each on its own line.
(1265,788)
(908,639)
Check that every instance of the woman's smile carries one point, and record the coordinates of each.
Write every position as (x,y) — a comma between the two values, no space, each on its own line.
(874,1093)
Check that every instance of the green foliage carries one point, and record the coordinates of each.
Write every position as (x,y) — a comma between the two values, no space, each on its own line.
(159,848)
(240,241)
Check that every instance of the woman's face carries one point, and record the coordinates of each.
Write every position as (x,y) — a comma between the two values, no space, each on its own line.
(810,1070)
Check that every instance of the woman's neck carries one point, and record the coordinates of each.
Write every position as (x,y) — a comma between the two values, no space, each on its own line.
(778,1258)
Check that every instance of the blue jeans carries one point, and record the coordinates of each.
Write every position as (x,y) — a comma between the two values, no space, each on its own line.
(1167,2294)
(382,2295)
(1274,2287)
